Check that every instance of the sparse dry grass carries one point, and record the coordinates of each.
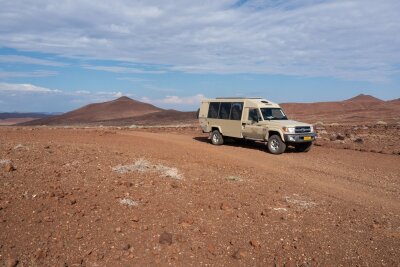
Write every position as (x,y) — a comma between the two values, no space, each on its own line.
(128,202)
(143,165)
(4,161)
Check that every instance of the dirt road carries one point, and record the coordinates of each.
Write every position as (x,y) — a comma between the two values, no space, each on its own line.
(98,197)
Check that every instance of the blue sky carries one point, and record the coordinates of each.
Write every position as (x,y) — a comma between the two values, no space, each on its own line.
(57,56)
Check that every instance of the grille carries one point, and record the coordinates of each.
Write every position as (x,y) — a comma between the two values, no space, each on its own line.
(302,129)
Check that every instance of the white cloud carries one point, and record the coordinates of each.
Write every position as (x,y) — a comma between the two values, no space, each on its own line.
(357,40)
(104,95)
(30,60)
(133,79)
(82,92)
(25,88)
(118,94)
(118,69)
(19,74)
(177,100)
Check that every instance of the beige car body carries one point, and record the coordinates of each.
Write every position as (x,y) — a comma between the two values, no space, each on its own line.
(246,128)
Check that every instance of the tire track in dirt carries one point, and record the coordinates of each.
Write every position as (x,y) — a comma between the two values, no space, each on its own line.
(347,184)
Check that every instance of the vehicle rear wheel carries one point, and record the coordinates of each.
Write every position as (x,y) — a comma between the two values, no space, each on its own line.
(276,145)
(216,138)
(304,147)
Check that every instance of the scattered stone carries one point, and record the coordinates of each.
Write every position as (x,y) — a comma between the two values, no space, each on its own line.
(165,238)
(135,219)
(239,254)
(12,262)
(340,136)
(224,206)
(381,123)
(39,254)
(233,178)
(255,243)
(211,249)
(175,184)
(118,230)
(48,219)
(186,221)
(9,167)
(126,247)
(264,213)
(359,140)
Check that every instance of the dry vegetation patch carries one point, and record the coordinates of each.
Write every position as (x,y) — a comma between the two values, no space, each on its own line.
(143,165)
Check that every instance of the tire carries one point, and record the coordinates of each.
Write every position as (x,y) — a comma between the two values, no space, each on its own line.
(216,138)
(276,145)
(304,147)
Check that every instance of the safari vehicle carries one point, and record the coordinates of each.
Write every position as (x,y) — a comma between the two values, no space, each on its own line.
(253,119)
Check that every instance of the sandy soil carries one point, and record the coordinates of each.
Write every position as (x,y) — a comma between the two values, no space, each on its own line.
(98,197)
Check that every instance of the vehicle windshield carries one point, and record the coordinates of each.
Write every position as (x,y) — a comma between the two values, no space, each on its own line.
(273,114)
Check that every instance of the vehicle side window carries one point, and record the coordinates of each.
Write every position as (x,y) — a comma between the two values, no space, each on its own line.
(224,111)
(253,114)
(236,112)
(213,110)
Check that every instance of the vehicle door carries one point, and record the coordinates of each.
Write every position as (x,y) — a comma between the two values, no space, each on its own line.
(252,128)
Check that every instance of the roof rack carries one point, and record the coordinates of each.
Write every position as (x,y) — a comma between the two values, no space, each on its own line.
(238,98)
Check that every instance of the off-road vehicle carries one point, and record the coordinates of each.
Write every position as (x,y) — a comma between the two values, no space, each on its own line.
(253,119)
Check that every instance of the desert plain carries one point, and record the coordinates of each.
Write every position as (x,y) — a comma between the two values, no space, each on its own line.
(124,183)
(165,196)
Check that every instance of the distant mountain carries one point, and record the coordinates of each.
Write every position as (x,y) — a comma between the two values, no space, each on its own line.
(14,115)
(126,111)
(11,118)
(361,108)
(121,111)
(361,98)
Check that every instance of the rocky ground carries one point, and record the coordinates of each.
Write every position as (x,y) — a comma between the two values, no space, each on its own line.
(137,197)
(379,138)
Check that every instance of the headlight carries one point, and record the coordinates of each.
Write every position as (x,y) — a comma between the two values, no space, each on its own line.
(288,129)
(312,129)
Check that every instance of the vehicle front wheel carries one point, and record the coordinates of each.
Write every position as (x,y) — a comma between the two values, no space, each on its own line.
(304,147)
(216,138)
(276,145)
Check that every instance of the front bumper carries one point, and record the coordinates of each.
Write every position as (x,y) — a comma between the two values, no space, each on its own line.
(299,138)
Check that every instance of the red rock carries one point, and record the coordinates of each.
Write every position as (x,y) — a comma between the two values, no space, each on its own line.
(9,167)
(12,262)
(224,206)
(239,254)
(255,243)
(165,238)
(186,221)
